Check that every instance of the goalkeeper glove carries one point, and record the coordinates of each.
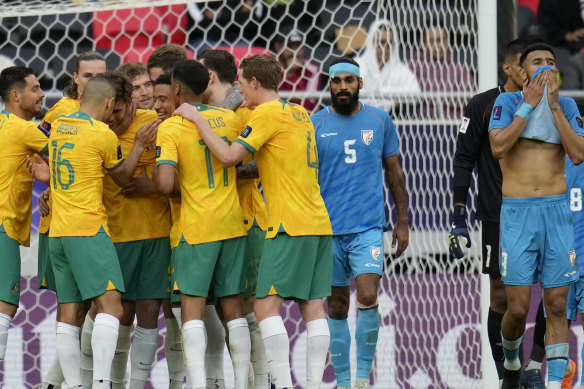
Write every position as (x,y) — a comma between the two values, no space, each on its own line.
(458,230)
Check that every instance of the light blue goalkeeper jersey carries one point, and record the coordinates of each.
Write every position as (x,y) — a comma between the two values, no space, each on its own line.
(575,184)
(350,153)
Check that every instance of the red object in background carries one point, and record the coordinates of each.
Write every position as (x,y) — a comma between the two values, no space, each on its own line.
(135,33)
(531,4)
(241,52)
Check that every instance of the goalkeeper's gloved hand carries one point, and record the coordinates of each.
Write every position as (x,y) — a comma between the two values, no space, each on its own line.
(458,230)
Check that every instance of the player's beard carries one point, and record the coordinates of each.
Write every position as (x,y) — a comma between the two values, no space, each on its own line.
(345,107)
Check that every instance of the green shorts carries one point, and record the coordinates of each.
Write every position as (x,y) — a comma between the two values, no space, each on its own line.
(144,265)
(216,265)
(10,265)
(85,266)
(254,244)
(45,276)
(174,297)
(296,267)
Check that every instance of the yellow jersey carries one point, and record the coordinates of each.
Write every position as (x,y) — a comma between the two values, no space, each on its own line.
(251,200)
(79,148)
(65,106)
(281,136)
(210,209)
(140,217)
(19,138)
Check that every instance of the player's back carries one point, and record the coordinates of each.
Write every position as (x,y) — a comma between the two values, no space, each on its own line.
(575,185)
(210,209)
(79,148)
(19,138)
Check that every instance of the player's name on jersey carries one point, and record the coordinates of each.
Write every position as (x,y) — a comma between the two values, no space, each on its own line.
(67,129)
(216,122)
(301,117)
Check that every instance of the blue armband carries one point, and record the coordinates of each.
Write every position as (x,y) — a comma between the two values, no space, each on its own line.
(524,111)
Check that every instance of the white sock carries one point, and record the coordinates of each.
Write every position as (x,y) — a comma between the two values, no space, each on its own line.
(120,361)
(258,353)
(87,352)
(554,385)
(533,365)
(4,325)
(142,355)
(55,375)
(174,354)
(103,343)
(177,312)
(277,350)
(68,351)
(194,344)
(318,339)
(240,349)
(215,344)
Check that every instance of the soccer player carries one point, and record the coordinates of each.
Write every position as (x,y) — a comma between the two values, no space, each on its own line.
(142,87)
(224,91)
(296,261)
(83,256)
(210,255)
(19,136)
(530,133)
(474,148)
(356,144)
(163,97)
(164,58)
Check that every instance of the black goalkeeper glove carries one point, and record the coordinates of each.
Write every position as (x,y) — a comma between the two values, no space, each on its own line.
(458,230)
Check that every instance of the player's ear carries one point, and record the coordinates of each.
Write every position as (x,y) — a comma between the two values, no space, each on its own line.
(360,82)
(523,74)
(14,95)
(109,104)
(506,68)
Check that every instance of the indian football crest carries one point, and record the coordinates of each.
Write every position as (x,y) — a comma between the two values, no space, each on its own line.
(367,136)
(375,252)
(572,257)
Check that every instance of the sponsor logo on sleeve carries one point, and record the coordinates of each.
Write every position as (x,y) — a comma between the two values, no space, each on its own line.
(367,136)
(579,121)
(157,151)
(328,134)
(464,125)
(246,131)
(46,128)
(375,252)
(497,112)
(119,152)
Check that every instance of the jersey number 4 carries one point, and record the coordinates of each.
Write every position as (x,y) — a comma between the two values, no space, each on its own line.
(58,163)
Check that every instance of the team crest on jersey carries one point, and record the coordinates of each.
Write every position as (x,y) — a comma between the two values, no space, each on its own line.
(572,257)
(464,125)
(497,112)
(246,131)
(375,252)
(367,136)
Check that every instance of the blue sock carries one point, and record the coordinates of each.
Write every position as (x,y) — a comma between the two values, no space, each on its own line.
(366,333)
(511,351)
(340,347)
(557,360)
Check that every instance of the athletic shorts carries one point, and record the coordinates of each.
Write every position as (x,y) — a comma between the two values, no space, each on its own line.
(576,299)
(174,297)
(85,266)
(45,276)
(537,240)
(10,265)
(357,253)
(254,244)
(144,265)
(296,267)
(218,265)
(490,238)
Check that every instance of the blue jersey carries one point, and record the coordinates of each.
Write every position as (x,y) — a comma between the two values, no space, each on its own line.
(575,184)
(350,153)
(507,104)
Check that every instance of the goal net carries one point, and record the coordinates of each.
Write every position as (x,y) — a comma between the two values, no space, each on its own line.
(429,304)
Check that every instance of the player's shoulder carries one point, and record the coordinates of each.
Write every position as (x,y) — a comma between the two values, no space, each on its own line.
(568,103)
(146,115)
(64,106)
(509,98)
(485,98)
(318,116)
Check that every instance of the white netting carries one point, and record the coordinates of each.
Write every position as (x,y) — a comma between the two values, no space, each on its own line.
(429,305)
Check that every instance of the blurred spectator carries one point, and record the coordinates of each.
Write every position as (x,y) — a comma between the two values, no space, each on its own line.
(163,59)
(4,63)
(298,73)
(142,88)
(562,23)
(302,15)
(437,71)
(574,74)
(381,68)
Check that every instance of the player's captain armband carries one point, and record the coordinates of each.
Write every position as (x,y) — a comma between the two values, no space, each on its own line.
(45,127)
(464,125)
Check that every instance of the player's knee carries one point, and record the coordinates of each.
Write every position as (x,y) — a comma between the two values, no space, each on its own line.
(367,299)
(338,308)
(518,311)
(556,308)
(498,300)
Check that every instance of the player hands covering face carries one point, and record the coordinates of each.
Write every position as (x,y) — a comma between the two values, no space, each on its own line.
(345,93)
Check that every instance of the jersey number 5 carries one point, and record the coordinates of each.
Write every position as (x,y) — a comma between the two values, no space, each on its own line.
(351,153)
(58,163)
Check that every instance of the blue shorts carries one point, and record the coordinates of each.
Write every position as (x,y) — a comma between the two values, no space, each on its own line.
(357,253)
(576,299)
(537,240)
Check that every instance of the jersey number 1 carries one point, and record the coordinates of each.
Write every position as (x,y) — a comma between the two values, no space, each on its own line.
(310,148)
(209,163)
(59,162)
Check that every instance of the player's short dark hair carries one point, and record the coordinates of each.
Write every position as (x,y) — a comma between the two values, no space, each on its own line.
(222,63)
(164,79)
(344,60)
(191,74)
(121,83)
(166,56)
(70,89)
(98,88)
(516,46)
(535,47)
(133,70)
(265,68)
(13,78)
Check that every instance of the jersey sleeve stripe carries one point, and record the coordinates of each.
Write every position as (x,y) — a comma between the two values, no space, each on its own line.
(115,167)
(244,144)
(165,162)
